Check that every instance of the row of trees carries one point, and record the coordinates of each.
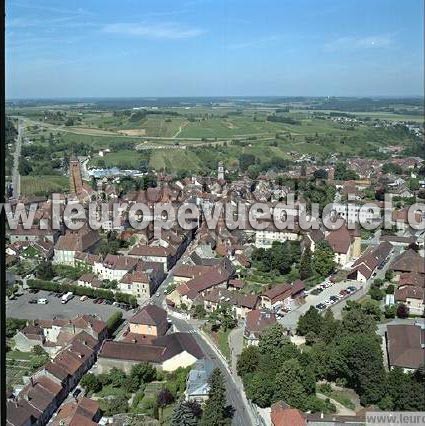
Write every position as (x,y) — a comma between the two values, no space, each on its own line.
(78,290)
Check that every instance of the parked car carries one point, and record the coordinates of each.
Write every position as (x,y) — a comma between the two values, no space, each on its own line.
(352,288)
(76,392)
(34,290)
(32,301)
(333,298)
(95,300)
(108,302)
(83,298)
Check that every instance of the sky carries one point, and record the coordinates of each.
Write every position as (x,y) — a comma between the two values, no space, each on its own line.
(154,48)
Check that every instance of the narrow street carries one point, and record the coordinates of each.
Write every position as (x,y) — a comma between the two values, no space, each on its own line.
(235,395)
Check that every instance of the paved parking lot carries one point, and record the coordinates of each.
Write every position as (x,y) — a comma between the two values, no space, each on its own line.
(290,320)
(20,308)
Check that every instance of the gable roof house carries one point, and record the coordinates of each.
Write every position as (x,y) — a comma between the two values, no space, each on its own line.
(366,265)
(79,412)
(255,323)
(72,242)
(408,261)
(345,243)
(282,295)
(36,403)
(114,267)
(241,304)
(405,346)
(166,353)
(216,276)
(151,320)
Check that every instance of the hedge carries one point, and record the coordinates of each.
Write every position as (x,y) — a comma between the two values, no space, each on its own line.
(83,291)
(114,321)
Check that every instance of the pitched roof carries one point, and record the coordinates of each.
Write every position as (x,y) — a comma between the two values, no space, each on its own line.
(80,240)
(412,278)
(404,345)
(340,240)
(222,295)
(409,261)
(409,292)
(257,321)
(282,415)
(149,315)
(158,351)
(119,262)
(20,412)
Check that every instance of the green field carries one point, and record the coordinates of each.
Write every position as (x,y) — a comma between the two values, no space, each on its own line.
(18,364)
(37,185)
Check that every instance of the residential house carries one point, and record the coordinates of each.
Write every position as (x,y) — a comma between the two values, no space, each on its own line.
(166,353)
(345,243)
(197,386)
(240,304)
(264,238)
(408,261)
(255,323)
(79,412)
(86,261)
(36,403)
(283,415)
(282,295)
(114,267)
(143,281)
(151,320)
(33,234)
(368,263)
(89,280)
(405,346)
(83,240)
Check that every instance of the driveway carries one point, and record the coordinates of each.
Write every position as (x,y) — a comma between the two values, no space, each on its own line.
(20,308)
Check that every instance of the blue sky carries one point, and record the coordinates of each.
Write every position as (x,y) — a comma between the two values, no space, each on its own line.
(106,48)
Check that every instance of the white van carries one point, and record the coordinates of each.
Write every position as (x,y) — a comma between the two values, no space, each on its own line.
(42,301)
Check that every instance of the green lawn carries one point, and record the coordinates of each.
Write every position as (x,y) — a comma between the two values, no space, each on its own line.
(341,396)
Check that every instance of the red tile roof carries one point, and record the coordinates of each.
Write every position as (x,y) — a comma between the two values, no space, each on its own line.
(149,315)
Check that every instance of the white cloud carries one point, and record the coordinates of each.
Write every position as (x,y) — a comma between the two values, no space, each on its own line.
(350,43)
(258,42)
(160,31)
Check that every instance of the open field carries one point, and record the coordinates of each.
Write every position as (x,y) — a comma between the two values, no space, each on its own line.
(219,131)
(35,185)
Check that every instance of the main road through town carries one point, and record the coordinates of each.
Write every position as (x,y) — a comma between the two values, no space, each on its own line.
(16,179)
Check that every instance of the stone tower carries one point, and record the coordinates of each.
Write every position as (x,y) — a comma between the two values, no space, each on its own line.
(75,181)
(220,171)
